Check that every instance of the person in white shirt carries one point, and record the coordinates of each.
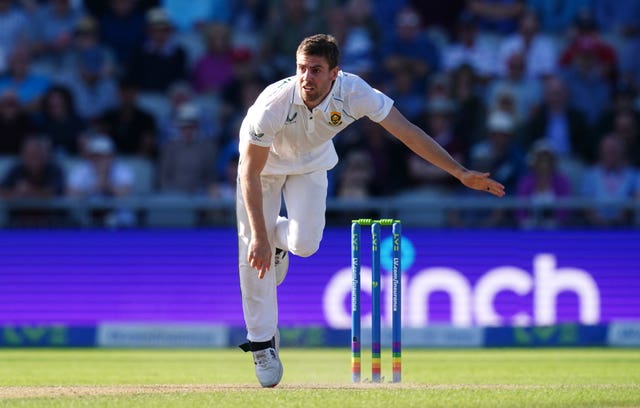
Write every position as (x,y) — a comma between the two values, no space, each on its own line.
(285,151)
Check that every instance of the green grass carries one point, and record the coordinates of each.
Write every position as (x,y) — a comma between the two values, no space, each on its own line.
(319,378)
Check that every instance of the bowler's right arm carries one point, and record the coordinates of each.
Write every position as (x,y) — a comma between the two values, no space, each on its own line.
(254,158)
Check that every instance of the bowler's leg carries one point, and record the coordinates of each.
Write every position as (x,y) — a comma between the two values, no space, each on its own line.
(259,297)
(305,196)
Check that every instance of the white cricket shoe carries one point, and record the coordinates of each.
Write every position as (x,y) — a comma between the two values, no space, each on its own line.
(266,360)
(281,261)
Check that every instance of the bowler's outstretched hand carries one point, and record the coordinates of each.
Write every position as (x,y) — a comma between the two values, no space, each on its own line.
(482,182)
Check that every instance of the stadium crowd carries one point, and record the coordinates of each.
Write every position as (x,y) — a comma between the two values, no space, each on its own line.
(116,98)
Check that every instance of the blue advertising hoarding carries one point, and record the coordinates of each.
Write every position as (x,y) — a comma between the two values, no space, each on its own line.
(459,278)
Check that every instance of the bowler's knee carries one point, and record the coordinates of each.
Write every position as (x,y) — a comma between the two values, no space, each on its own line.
(304,247)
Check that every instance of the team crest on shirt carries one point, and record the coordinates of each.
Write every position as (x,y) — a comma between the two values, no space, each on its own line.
(336,118)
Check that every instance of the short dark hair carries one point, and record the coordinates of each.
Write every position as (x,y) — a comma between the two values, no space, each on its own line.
(322,45)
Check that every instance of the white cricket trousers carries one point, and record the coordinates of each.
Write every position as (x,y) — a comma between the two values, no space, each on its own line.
(300,233)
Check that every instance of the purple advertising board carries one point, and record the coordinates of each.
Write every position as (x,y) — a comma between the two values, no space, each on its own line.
(462,278)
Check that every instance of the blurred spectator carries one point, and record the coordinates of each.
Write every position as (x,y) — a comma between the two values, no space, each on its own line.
(587,81)
(35,176)
(102,175)
(526,90)
(55,23)
(471,111)
(438,123)
(556,16)
(247,94)
(624,99)
(59,120)
(122,28)
(537,48)
(226,187)
(187,162)
(356,177)
(93,91)
(439,15)
(86,42)
(542,185)
(289,22)
(560,125)
(132,129)
(505,101)
(359,45)
(500,154)
(245,71)
(610,179)
(587,38)
(161,61)
(497,16)
(406,96)
(409,48)
(180,94)
(247,23)
(214,69)
(191,15)
(621,17)
(14,30)
(468,48)
(626,126)
(29,87)
(15,124)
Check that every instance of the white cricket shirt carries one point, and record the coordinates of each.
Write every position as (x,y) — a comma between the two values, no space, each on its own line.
(300,139)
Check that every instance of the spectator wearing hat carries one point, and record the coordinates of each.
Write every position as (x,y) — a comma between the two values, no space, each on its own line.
(101,175)
(541,185)
(470,49)
(187,162)
(526,90)
(132,129)
(501,155)
(85,41)
(122,28)
(161,61)
(94,90)
(181,93)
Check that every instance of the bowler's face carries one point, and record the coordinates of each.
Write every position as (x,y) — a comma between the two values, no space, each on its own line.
(315,78)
